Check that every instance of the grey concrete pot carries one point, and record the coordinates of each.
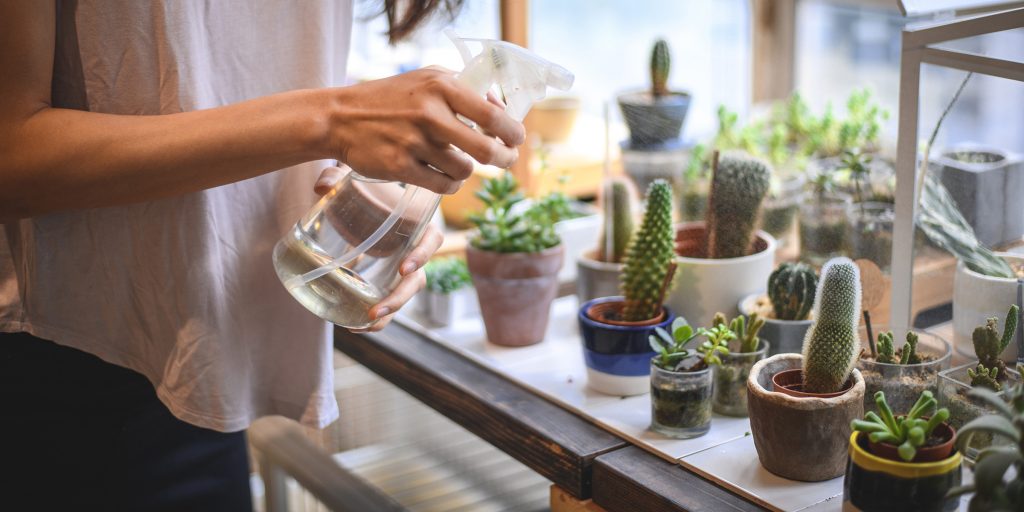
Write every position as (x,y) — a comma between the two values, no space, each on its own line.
(800,438)
(987,191)
(784,336)
(652,121)
(595,279)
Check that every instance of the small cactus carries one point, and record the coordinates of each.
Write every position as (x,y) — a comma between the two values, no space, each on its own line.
(621,208)
(985,378)
(830,346)
(988,345)
(661,64)
(649,256)
(886,352)
(739,186)
(907,354)
(791,288)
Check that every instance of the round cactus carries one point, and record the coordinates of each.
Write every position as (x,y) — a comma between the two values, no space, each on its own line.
(661,63)
(830,346)
(649,256)
(621,218)
(740,184)
(791,289)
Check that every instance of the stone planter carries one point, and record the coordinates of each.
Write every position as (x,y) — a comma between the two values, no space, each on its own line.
(596,278)
(800,438)
(977,297)
(652,121)
(986,183)
(783,336)
(877,483)
(706,286)
(618,355)
(515,291)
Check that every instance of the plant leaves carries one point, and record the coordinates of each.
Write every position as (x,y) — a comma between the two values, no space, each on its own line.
(989,470)
(997,425)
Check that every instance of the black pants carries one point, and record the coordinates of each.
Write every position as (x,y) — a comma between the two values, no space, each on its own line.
(77,433)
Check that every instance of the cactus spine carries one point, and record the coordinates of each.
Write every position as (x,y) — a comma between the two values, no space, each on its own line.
(830,346)
(739,186)
(988,345)
(649,256)
(620,206)
(791,288)
(661,63)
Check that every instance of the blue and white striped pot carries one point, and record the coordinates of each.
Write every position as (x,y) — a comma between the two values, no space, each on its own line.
(618,357)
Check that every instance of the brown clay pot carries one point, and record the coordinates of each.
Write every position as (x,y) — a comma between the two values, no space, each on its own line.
(800,438)
(515,292)
(791,382)
(925,453)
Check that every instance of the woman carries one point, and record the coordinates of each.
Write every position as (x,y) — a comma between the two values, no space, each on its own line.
(153,152)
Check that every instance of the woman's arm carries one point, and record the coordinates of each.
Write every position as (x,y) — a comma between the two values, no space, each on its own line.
(58,159)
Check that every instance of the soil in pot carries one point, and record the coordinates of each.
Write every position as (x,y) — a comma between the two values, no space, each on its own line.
(680,402)
(611,313)
(791,382)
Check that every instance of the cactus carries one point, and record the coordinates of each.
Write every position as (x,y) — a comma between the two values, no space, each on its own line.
(886,353)
(830,346)
(739,186)
(621,218)
(988,345)
(907,354)
(649,256)
(791,288)
(661,63)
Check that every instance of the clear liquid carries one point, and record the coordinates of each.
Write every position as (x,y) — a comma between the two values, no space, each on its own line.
(340,296)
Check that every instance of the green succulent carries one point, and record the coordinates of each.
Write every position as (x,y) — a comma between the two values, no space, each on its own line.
(908,432)
(501,230)
(446,275)
(887,353)
(672,351)
(988,346)
(746,330)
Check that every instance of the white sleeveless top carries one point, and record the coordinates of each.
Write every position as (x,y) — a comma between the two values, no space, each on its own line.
(183,290)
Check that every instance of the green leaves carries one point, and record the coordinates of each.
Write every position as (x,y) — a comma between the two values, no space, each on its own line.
(501,230)
(446,275)
(672,347)
(907,432)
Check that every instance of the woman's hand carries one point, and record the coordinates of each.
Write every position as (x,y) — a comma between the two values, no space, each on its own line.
(404,127)
(413,277)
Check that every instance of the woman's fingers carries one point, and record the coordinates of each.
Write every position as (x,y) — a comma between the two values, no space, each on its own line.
(422,175)
(328,179)
(418,256)
(407,287)
(448,160)
(484,149)
(487,115)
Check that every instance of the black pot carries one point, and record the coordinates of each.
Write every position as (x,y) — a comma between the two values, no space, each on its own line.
(876,483)
(653,121)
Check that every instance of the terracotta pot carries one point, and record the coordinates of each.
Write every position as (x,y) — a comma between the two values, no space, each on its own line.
(925,453)
(791,382)
(515,292)
(800,438)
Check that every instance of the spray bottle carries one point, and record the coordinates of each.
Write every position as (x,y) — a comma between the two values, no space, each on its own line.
(342,257)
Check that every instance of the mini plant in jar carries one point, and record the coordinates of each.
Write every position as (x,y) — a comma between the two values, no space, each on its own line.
(903,372)
(730,387)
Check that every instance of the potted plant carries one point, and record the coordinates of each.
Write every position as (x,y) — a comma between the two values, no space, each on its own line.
(906,372)
(597,270)
(615,329)
(681,383)
(988,371)
(992,488)
(869,223)
(745,348)
(693,187)
(785,308)
(514,262)
(655,116)
(977,292)
(724,258)
(985,183)
(575,223)
(823,216)
(902,462)
(801,406)
(449,294)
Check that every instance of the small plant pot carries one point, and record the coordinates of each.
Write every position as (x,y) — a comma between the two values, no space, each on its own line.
(576,234)
(954,384)
(783,336)
(705,286)
(653,120)
(873,482)
(444,309)
(986,183)
(596,278)
(730,390)
(823,227)
(680,402)
(869,232)
(515,291)
(977,297)
(800,438)
(903,383)
(927,453)
(779,213)
(644,164)
(617,354)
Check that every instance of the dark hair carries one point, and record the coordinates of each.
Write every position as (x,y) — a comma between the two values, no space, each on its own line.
(405,16)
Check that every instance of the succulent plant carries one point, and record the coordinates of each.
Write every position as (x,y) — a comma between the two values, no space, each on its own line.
(672,351)
(620,199)
(500,230)
(791,288)
(988,345)
(888,354)
(661,64)
(746,330)
(649,256)
(737,191)
(447,275)
(830,346)
(908,432)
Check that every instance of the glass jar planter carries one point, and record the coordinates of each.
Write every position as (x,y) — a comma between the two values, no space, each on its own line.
(693,195)
(681,401)
(729,393)
(823,227)
(778,215)
(954,384)
(903,383)
(869,232)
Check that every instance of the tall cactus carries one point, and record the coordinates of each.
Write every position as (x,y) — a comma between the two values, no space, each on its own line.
(649,256)
(791,288)
(830,346)
(739,186)
(988,346)
(620,204)
(661,64)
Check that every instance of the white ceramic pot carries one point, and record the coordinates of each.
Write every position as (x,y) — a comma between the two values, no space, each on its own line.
(578,234)
(596,278)
(978,297)
(704,287)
